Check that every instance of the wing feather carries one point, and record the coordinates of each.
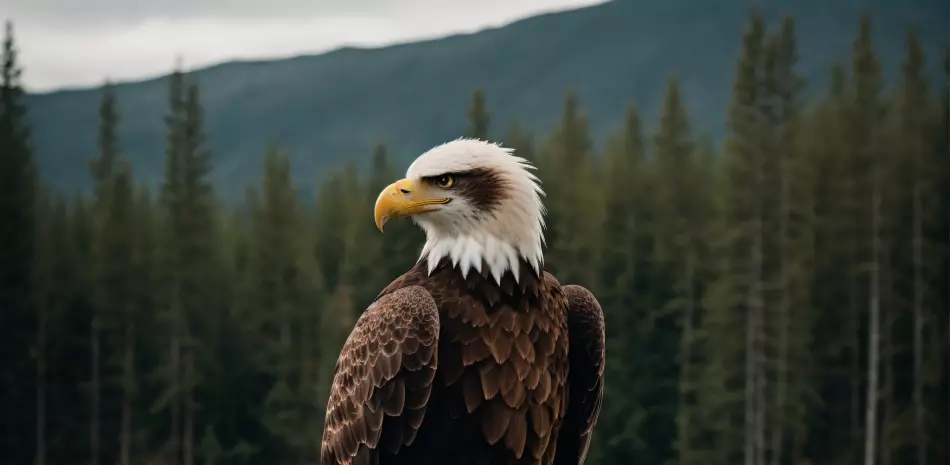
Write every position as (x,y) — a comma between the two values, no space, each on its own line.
(383,379)
(585,323)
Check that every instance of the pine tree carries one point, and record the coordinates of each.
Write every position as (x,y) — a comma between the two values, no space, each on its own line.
(913,110)
(832,432)
(791,227)
(44,305)
(69,427)
(54,289)
(172,200)
(140,316)
(521,141)
(60,406)
(329,241)
(678,253)
(17,202)
(119,306)
(102,168)
(198,257)
(284,286)
(571,219)
(736,298)
(478,117)
(362,241)
(624,294)
(867,126)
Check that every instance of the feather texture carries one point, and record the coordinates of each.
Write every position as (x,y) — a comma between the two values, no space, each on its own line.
(376,397)
(473,372)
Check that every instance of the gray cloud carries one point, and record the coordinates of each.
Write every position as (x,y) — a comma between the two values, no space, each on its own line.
(84,42)
(133,11)
(126,12)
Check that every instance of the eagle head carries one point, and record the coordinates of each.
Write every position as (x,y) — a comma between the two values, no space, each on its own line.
(478,204)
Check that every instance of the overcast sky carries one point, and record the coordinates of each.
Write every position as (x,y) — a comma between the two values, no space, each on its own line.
(70,43)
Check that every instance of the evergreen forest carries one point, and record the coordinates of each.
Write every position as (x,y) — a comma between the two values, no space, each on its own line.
(779,297)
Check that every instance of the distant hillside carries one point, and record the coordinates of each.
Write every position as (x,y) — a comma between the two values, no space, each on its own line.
(333,107)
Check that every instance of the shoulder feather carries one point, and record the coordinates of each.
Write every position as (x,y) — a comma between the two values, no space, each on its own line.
(383,379)
(585,325)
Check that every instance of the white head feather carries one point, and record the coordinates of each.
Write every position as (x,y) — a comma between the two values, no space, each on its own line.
(512,231)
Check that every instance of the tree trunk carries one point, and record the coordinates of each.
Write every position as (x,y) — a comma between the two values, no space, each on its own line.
(887,391)
(920,434)
(874,327)
(94,417)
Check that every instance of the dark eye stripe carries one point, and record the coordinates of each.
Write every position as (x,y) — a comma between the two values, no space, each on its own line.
(484,188)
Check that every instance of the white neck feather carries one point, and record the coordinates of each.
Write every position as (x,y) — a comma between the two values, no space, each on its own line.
(470,251)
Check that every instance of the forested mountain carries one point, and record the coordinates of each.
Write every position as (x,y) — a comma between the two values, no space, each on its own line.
(778,295)
(334,107)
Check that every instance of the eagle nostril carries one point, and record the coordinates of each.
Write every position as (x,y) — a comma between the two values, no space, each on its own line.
(403,190)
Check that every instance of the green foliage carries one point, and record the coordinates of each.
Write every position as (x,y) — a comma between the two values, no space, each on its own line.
(572,208)
(160,326)
(17,236)
(521,141)
(478,117)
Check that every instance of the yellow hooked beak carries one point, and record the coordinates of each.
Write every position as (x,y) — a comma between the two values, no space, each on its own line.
(405,198)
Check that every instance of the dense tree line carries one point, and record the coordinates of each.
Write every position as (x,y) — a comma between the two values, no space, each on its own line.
(779,298)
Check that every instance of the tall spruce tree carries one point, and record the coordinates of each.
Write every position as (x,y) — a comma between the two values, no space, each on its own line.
(103,168)
(521,141)
(833,432)
(791,227)
(913,115)
(867,125)
(118,306)
(572,217)
(44,304)
(199,259)
(70,427)
(478,117)
(139,341)
(172,201)
(624,295)
(736,299)
(285,288)
(17,204)
(677,254)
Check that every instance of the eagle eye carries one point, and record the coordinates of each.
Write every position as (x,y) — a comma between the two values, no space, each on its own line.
(445,181)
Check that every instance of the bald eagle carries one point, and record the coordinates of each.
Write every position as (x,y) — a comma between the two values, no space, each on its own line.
(476,355)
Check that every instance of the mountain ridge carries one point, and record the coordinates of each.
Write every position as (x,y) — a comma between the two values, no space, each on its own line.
(294,56)
(330,108)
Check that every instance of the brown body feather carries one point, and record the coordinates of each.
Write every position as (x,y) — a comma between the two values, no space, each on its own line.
(518,373)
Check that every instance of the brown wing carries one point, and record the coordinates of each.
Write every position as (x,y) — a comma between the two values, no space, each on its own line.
(383,379)
(585,326)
